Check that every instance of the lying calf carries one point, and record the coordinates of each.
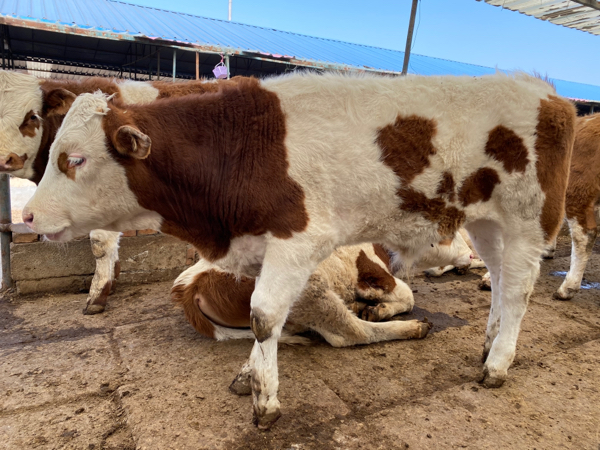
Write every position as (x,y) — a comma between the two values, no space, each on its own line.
(272,176)
(353,281)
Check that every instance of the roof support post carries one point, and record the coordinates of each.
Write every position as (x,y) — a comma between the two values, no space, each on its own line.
(5,237)
(411,27)
(158,65)
(227,65)
(174,63)
(197,66)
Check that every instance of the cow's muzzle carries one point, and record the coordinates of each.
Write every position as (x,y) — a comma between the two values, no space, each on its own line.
(12,162)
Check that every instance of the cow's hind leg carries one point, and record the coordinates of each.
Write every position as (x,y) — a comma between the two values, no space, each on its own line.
(487,239)
(520,269)
(105,247)
(583,241)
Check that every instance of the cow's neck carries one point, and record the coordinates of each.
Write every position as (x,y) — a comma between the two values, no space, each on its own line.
(217,168)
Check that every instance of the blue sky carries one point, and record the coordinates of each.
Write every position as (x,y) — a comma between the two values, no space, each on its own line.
(459,30)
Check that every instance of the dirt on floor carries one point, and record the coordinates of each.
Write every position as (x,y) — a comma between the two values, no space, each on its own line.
(138,376)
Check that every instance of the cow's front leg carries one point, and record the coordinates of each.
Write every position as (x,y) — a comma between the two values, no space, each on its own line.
(105,247)
(285,271)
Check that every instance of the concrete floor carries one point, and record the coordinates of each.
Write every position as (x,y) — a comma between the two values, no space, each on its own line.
(139,377)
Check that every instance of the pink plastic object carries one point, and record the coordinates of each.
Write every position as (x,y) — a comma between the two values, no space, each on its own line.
(220,71)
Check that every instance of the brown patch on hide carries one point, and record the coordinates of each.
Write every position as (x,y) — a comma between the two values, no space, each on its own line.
(383,255)
(215,297)
(406,146)
(218,168)
(102,299)
(260,326)
(63,166)
(446,187)
(446,242)
(372,275)
(448,218)
(12,162)
(583,190)
(31,123)
(50,127)
(506,147)
(168,89)
(553,146)
(479,186)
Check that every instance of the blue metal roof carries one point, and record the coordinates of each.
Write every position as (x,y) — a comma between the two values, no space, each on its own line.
(122,21)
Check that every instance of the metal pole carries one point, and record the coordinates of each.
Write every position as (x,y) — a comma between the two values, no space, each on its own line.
(229,10)
(227,65)
(174,63)
(5,237)
(158,66)
(197,66)
(411,27)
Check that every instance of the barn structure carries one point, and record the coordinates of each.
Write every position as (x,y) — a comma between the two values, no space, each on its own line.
(72,38)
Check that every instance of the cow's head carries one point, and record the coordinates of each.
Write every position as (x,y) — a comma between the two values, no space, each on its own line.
(85,184)
(21,104)
(25,104)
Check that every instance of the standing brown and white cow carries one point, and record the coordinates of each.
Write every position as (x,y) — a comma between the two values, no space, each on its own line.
(271,176)
(582,202)
(31,111)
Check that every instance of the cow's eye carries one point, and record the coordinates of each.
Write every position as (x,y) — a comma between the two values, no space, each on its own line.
(33,117)
(76,160)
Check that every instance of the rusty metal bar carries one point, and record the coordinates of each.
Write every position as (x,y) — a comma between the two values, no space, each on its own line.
(411,27)
(5,237)
(158,65)
(197,66)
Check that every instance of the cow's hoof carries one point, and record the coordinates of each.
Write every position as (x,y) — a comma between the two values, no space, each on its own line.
(266,421)
(462,270)
(565,294)
(490,381)
(485,284)
(375,313)
(241,385)
(92,309)
(424,328)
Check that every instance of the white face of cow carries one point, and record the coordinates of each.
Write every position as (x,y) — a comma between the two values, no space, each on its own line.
(84,187)
(20,122)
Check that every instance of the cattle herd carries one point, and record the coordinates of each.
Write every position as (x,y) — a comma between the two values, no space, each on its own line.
(306,194)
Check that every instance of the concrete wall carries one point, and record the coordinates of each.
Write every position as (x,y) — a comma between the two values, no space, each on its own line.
(146,256)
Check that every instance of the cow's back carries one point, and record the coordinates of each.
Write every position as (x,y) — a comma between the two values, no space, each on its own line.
(451,149)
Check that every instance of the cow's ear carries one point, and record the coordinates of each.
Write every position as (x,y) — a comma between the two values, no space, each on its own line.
(130,141)
(58,101)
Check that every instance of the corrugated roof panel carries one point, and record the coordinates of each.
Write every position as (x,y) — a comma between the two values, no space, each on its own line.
(567,13)
(117,20)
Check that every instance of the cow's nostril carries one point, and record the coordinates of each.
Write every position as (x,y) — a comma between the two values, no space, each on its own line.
(28,218)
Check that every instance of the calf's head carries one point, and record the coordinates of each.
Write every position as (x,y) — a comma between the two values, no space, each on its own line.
(85,184)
